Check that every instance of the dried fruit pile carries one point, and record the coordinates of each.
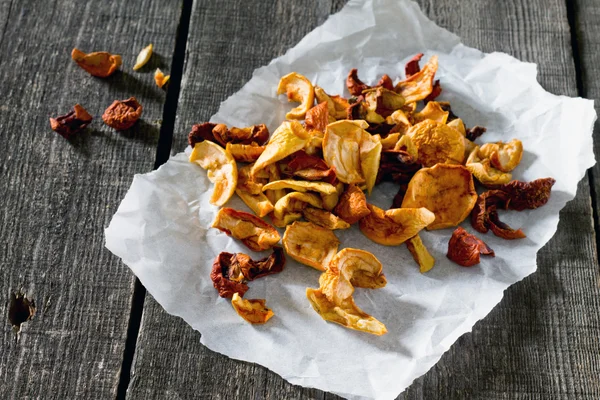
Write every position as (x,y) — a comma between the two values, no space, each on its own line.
(319,171)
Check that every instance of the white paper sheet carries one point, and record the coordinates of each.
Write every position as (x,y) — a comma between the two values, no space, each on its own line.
(161,229)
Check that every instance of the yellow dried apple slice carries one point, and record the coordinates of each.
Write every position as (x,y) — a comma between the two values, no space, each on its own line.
(333,299)
(482,169)
(299,89)
(310,244)
(395,226)
(143,57)
(446,190)
(352,152)
(254,311)
(437,143)
(503,156)
(287,139)
(259,203)
(221,169)
(255,233)
(420,254)
(432,111)
(324,218)
(289,207)
(301,186)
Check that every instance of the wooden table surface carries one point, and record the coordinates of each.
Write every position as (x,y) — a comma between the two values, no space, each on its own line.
(97,335)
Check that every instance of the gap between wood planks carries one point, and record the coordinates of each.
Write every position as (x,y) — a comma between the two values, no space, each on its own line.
(572,18)
(163,151)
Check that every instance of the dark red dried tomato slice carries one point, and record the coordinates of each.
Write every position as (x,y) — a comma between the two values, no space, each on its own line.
(465,249)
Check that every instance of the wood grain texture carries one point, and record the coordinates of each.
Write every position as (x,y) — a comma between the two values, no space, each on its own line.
(58,195)
(540,342)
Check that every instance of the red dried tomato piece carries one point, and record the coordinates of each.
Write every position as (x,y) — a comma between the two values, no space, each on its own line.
(355,85)
(397,166)
(230,272)
(480,214)
(412,66)
(465,249)
(71,123)
(528,195)
(501,229)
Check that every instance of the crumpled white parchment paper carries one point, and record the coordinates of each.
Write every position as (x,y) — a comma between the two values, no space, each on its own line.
(161,229)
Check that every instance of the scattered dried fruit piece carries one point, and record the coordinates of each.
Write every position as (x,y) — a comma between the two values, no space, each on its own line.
(485,215)
(420,254)
(318,117)
(419,85)
(465,248)
(143,58)
(446,190)
(355,86)
(412,66)
(201,132)
(255,233)
(434,111)
(383,103)
(352,152)
(474,132)
(289,208)
(324,218)
(299,89)
(230,272)
(333,299)
(352,205)
(69,124)
(528,195)
(394,226)
(301,186)
(503,156)
(221,169)
(482,169)
(160,78)
(310,244)
(245,152)
(437,143)
(286,140)
(122,114)
(100,63)
(254,311)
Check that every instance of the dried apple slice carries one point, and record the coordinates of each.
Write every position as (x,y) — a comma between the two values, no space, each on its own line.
(395,226)
(289,138)
(352,152)
(245,152)
(299,89)
(446,190)
(482,169)
(289,208)
(420,254)
(255,233)
(301,186)
(433,111)
(419,85)
(503,156)
(352,205)
(324,218)
(310,244)
(254,311)
(221,169)
(333,299)
(437,143)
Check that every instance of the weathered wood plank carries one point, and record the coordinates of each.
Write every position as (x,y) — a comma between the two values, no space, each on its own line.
(57,196)
(540,342)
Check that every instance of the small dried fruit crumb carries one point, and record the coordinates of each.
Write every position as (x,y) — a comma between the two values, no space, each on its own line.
(160,78)
(143,57)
